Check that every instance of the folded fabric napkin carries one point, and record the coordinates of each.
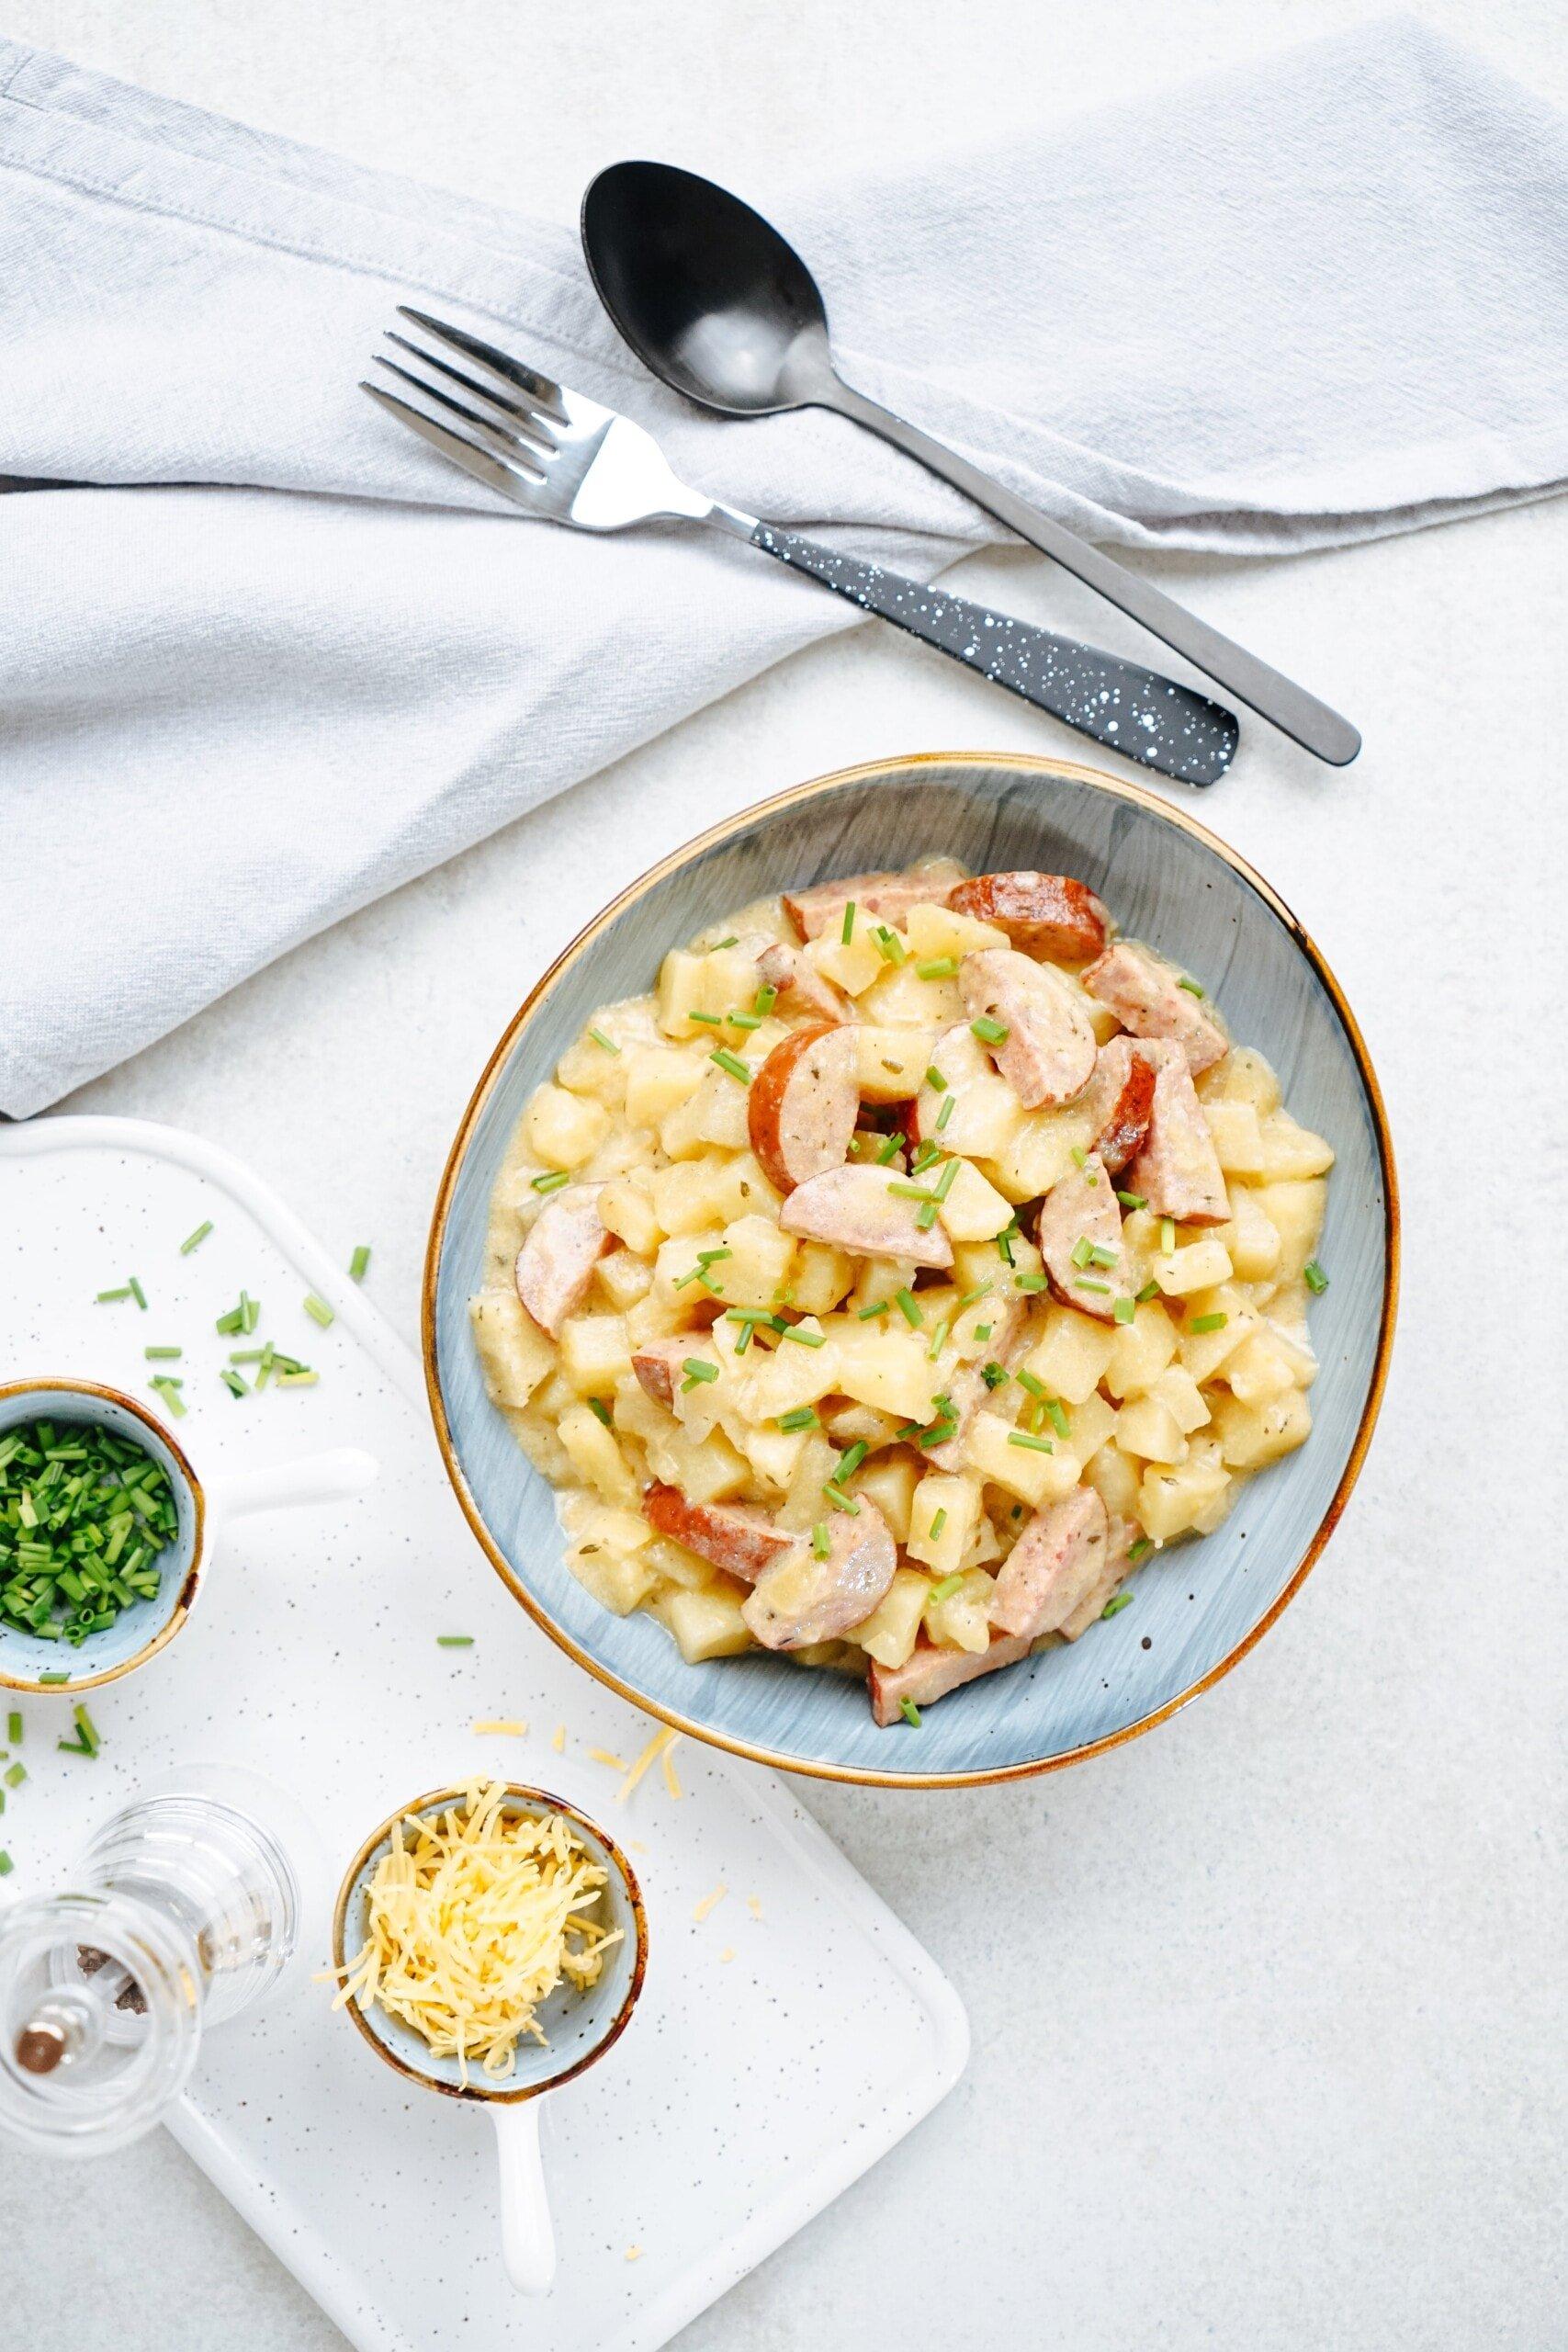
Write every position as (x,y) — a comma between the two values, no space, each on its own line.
(280,658)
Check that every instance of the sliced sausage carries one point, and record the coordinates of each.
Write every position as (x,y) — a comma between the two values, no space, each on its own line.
(1048,1053)
(1080,1208)
(888,896)
(802,1105)
(1058,1558)
(965,1067)
(1146,996)
(853,1208)
(1178,1171)
(1123,1534)
(798,987)
(803,1599)
(968,1388)
(741,1542)
(555,1266)
(1043,914)
(659,1366)
(932,1670)
(1124,1097)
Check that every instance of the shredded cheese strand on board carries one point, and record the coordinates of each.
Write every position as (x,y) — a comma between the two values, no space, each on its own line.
(474,1917)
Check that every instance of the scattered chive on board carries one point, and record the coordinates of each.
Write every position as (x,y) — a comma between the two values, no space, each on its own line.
(453,1641)
(318,1310)
(358,1265)
(193,1240)
(1114,1608)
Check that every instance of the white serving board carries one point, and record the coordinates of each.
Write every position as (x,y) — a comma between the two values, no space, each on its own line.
(748,2092)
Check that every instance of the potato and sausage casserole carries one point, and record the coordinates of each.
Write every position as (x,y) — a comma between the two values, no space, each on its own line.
(887,1286)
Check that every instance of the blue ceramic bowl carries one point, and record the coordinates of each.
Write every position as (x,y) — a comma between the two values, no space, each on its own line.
(1167,881)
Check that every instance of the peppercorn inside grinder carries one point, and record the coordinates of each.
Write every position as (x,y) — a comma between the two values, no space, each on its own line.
(183,1912)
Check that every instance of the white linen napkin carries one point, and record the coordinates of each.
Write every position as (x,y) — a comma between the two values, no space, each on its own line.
(281,658)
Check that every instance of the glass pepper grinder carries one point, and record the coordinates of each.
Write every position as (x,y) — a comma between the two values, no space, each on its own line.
(182,1911)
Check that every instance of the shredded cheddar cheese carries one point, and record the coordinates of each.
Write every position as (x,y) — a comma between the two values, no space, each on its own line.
(474,1917)
(558,1739)
(606,1756)
(709,1902)
(670,1783)
(512,1725)
(658,1746)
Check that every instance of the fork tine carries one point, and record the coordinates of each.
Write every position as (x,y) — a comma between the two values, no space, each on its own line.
(512,483)
(528,459)
(527,421)
(488,354)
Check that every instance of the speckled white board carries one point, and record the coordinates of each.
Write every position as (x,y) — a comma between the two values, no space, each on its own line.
(772,2057)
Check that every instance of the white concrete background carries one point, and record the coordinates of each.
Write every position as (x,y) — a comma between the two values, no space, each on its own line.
(1267,2006)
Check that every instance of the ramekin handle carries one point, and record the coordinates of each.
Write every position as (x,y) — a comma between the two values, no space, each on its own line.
(282,1485)
(527,2232)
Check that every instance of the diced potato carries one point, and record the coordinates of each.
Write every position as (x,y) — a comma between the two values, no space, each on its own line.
(1198,1266)
(1203,1352)
(1239,1140)
(1292,1152)
(851,966)
(661,1313)
(1251,1435)
(1259,1369)
(594,1454)
(1114,1476)
(1295,1211)
(1088,1425)
(706,1623)
(1148,1428)
(514,1353)
(1074,1353)
(693,1194)
(889,1481)
(1251,1235)
(587,1068)
(819,1277)
(605,1526)
(900,998)
(725,980)
(893,1062)
(1140,1351)
(890,1633)
(562,1129)
(791,1376)
(880,1278)
(714,1114)
(594,1352)
(1023,1470)
(803,1504)
(618,1582)
(659,1077)
(773,1454)
(1039,1152)
(759,1266)
(963,1618)
(942,930)
(1243,1076)
(626,1209)
(708,1469)
(624,1278)
(554,1395)
(973,1210)
(1176,1390)
(886,1368)
(1171,1501)
(955,1502)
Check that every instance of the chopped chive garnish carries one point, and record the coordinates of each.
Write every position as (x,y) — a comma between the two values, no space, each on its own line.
(318,1310)
(1315,1279)
(235,1381)
(1150,1290)
(803,1417)
(926,1218)
(820,1541)
(864,1314)
(891,1147)
(981,1331)
(14,1727)
(803,1339)
(193,1240)
(694,1274)
(550,1182)
(839,1501)
(1124,1309)
(605,1045)
(298,1379)
(924,1157)
(731,1064)
(697,1371)
(600,1410)
(903,1192)
(1035,1386)
(16,1775)
(903,1301)
(1191,987)
(762,1004)
(944,1182)
(1136,1551)
(1114,1608)
(1167,1236)
(708,1020)
(1033,1444)
(935,1080)
(1208,1323)
(973,1297)
(54,1678)
(1131,1200)
(106,1297)
(453,1641)
(1056,1413)
(940,1590)
(171,1396)
(138,1294)
(1083,1281)
(712,1257)
(359,1262)
(888,945)
(744,1020)
(87,1731)
(1100,1254)
(850,1462)
(720,945)
(1005,1241)
(939,968)
(911,1714)
(1080,1156)
(1031,1282)
(939,1340)
(990,1032)
(162,1355)
(848,933)
(6,1864)
(938,1434)
(1083,1251)
(993,1374)
(946,1112)
(948,1584)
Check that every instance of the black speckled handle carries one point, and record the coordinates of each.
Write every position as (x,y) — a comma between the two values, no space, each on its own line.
(1147,718)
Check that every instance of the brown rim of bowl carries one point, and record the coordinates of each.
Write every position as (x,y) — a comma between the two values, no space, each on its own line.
(521,1793)
(187,1601)
(864,773)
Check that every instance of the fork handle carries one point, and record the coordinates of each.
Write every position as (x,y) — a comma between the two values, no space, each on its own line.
(1133,710)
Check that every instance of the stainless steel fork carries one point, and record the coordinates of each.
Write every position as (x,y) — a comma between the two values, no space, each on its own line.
(565,459)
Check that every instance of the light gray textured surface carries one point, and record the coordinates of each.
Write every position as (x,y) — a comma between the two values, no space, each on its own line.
(1267,2011)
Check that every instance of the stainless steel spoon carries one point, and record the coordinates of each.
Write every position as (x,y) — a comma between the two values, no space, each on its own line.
(713,300)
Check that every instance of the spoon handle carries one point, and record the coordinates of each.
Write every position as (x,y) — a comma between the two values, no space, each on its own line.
(1150,718)
(1288,706)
